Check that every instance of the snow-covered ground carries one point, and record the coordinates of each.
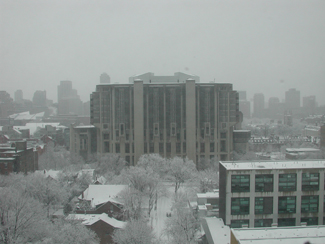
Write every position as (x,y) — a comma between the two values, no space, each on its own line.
(164,206)
(159,216)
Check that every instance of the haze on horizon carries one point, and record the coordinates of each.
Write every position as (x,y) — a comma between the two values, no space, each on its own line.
(258,46)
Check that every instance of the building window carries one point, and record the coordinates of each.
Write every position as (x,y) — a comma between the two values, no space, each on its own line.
(239,205)
(184,147)
(239,223)
(161,147)
(310,181)
(223,157)
(287,182)
(156,129)
(106,136)
(178,147)
(263,205)
(240,183)
(223,146)
(106,146)
(117,147)
(264,183)
(127,148)
(122,129)
(168,147)
(211,146)
(287,222)
(127,159)
(263,223)
(202,147)
(309,204)
(223,135)
(151,147)
(310,221)
(287,205)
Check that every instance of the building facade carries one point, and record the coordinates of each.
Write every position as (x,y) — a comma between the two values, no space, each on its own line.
(258,194)
(292,99)
(259,105)
(172,116)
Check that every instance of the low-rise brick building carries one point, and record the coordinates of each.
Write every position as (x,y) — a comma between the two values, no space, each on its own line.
(18,158)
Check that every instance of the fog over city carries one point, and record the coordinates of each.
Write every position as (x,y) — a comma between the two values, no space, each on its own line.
(258,46)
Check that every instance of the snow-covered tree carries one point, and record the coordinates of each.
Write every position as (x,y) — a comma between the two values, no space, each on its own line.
(183,225)
(110,162)
(154,162)
(135,232)
(180,170)
(22,217)
(147,183)
(46,190)
(70,232)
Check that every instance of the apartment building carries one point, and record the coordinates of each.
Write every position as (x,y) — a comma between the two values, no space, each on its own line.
(170,115)
(257,194)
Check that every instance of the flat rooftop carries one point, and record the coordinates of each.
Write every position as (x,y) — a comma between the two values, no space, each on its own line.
(289,235)
(260,165)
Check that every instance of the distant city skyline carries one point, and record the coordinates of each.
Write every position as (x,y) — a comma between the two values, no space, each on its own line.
(259,46)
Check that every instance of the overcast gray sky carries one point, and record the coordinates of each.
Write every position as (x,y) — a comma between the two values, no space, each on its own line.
(264,46)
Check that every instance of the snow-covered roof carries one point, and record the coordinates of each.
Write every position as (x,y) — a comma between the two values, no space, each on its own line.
(274,235)
(90,219)
(26,116)
(99,194)
(216,231)
(102,180)
(262,165)
(33,127)
(299,150)
(208,195)
(7,159)
(48,173)
(84,126)
(89,172)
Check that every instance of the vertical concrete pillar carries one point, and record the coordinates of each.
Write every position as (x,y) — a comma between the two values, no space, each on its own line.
(190,120)
(138,120)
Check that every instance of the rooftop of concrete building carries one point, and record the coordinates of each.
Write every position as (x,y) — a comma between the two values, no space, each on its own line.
(288,235)
(298,150)
(84,127)
(208,195)
(7,159)
(262,165)
(216,231)
(178,77)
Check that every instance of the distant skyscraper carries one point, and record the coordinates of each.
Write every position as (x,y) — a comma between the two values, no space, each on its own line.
(276,109)
(39,98)
(273,102)
(64,89)
(68,100)
(259,105)
(19,96)
(242,95)
(104,78)
(244,105)
(309,104)
(292,99)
